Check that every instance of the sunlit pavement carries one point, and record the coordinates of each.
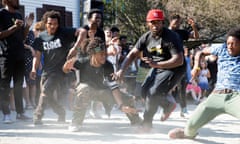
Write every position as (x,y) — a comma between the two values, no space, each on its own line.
(116,130)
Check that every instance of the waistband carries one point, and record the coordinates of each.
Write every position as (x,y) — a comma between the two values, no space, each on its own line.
(223,91)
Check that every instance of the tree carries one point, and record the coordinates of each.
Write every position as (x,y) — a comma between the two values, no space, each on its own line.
(129,16)
(214,17)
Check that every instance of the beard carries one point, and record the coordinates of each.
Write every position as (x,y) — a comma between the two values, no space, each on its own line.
(156,34)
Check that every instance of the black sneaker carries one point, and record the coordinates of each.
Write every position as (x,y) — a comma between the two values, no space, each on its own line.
(22,117)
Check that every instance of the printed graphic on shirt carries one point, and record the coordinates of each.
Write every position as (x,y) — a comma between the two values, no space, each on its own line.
(155,47)
(52,44)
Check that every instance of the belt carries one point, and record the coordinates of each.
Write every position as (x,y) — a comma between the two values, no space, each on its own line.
(223,91)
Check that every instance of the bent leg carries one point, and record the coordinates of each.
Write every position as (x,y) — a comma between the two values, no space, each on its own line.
(151,106)
(205,112)
(232,104)
(81,103)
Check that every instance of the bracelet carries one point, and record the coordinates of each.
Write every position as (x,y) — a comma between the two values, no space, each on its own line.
(197,68)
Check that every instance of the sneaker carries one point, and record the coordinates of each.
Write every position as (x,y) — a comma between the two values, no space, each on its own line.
(22,117)
(95,115)
(37,122)
(196,102)
(29,107)
(184,113)
(74,128)
(178,133)
(166,112)
(108,112)
(7,119)
(61,119)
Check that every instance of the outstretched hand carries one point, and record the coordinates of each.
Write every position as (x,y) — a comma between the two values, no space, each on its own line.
(29,19)
(69,65)
(129,110)
(72,53)
(118,75)
(191,22)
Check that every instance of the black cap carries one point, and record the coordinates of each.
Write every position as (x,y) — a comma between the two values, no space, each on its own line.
(95,10)
(115,29)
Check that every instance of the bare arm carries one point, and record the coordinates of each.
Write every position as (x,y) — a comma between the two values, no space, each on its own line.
(132,55)
(118,98)
(28,22)
(35,65)
(82,34)
(197,57)
(17,25)
(175,61)
(30,48)
(194,34)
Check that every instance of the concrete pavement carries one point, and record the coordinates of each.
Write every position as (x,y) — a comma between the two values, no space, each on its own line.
(222,130)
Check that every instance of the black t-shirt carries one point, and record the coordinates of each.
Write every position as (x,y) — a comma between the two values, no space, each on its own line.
(15,40)
(55,48)
(160,49)
(94,76)
(100,33)
(183,34)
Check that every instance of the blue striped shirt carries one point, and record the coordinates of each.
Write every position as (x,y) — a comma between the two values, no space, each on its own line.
(228,76)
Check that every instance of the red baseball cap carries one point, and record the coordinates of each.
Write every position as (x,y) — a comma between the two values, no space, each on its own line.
(155,14)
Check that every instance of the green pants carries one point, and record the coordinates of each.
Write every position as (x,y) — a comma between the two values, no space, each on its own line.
(214,105)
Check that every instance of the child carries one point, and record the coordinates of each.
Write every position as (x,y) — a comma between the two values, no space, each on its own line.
(194,90)
(203,77)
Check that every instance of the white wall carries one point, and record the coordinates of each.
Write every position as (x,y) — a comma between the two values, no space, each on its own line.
(70,5)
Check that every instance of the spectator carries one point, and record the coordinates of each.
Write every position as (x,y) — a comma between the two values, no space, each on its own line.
(203,77)
(194,90)
(13,29)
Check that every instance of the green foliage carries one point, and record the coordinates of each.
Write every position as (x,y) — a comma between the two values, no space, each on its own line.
(213,17)
(129,16)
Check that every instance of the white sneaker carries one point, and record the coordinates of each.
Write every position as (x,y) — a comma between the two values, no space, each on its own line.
(7,119)
(95,115)
(74,128)
(185,114)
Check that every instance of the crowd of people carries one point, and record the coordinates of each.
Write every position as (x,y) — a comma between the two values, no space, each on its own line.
(90,65)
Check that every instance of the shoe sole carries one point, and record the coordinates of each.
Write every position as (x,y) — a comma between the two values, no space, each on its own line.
(8,122)
(177,133)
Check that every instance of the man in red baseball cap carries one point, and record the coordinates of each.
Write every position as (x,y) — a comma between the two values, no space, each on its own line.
(162,53)
(155,14)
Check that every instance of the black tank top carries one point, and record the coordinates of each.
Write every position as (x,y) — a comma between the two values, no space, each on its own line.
(100,33)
